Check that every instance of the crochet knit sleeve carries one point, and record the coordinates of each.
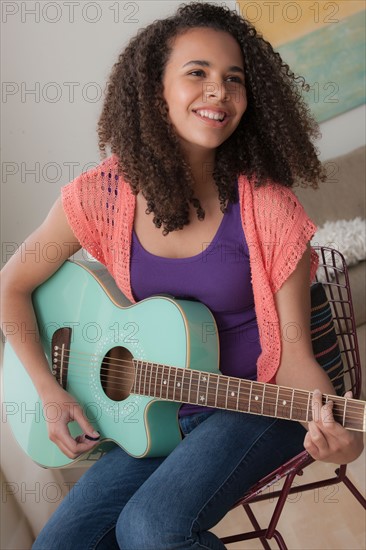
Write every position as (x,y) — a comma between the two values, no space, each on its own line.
(85,202)
(285,230)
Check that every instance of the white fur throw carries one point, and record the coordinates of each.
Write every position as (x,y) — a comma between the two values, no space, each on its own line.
(346,236)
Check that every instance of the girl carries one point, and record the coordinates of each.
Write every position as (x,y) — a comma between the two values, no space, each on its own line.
(208,131)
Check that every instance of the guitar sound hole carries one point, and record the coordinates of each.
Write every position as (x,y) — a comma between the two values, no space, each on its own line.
(117,373)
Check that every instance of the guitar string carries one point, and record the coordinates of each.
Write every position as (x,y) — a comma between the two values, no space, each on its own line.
(335,399)
(129,363)
(270,400)
(244,405)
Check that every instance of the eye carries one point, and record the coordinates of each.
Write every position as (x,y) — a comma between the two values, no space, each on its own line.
(236,79)
(198,71)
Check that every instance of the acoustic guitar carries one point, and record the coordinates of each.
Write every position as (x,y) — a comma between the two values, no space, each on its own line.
(131,366)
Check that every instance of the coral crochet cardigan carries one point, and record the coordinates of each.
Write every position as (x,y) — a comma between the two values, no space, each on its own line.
(100,207)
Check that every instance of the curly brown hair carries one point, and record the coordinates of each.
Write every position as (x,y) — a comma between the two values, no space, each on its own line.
(271,142)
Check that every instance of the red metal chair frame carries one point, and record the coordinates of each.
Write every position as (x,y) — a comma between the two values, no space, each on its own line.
(337,286)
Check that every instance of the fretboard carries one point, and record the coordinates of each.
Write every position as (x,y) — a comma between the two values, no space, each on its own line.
(237,394)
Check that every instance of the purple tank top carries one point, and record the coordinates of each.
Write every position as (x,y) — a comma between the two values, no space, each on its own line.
(219,277)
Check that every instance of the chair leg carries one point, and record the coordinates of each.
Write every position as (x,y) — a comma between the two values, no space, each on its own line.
(254,522)
(356,493)
(281,543)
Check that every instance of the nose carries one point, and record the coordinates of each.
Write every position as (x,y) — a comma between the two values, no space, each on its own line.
(215,89)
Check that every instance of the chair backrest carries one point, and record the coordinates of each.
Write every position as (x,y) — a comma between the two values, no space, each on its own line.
(333,274)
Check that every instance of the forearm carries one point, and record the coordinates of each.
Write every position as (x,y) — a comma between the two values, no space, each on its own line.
(19,325)
(307,375)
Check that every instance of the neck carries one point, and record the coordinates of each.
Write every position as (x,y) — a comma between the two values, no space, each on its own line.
(202,163)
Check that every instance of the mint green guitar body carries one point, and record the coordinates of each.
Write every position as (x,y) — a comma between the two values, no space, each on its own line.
(159,329)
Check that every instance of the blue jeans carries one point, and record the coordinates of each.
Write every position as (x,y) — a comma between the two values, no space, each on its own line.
(170,503)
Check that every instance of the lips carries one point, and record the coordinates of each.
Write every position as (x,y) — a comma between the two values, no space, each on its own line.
(210,121)
(213,115)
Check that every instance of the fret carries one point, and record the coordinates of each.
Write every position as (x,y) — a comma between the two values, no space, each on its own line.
(168,384)
(139,392)
(135,364)
(307,407)
(344,411)
(256,385)
(292,402)
(145,374)
(137,371)
(217,388)
(250,396)
(227,392)
(150,380)
(208,386)
(199,387)
(190,384)
(196,378)
(161,379)
(200,398)
(175,383)
(263,394)
(182,397)
(231,393)
(181,385)
(178,384)
(282,402)
(164,381)
(156,380)
(276,406)
(237,398)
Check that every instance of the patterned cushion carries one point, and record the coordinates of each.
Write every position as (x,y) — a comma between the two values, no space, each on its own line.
(324,339)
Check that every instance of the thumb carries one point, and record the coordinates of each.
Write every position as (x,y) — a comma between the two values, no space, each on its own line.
(84,424)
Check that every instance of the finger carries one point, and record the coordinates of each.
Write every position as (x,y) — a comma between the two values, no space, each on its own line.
(61,436)
(315,442)
(310,446)
(316,405)
(326,415)
(70,446)
(348,394)
(84,424)
(64,442)
(317,437)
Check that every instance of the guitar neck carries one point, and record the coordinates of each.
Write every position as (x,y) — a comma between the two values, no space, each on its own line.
(237,394)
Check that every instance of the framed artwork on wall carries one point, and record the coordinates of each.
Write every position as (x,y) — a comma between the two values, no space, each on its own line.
(322,41)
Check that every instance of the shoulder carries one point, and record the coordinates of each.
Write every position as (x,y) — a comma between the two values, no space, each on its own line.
(270,195)
(271,208)
(96,182)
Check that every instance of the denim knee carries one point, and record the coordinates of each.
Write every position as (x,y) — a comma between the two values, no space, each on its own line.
(142,527)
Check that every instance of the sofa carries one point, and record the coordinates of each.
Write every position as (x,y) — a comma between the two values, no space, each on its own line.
(343,197)
(30,494)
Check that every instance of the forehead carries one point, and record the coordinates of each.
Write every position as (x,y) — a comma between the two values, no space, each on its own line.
(205,43)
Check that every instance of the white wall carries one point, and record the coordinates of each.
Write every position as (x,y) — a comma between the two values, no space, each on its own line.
(343,133)
(49,135)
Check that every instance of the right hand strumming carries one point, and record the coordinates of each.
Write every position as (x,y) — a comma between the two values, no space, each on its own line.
(68,410)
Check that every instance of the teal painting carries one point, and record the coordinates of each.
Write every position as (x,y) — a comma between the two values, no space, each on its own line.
(332,60)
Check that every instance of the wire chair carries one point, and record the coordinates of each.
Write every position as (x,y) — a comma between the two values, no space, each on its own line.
(333,275)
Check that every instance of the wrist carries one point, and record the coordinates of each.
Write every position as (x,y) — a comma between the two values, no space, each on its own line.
(47,384)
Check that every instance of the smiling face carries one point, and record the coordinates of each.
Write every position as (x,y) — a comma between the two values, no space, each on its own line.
(204,88)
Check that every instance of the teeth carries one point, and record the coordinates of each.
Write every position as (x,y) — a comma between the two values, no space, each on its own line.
(211,115)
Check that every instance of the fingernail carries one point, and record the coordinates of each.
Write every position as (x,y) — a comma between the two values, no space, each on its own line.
(95,437)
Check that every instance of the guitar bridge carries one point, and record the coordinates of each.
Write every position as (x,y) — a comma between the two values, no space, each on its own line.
(61,340)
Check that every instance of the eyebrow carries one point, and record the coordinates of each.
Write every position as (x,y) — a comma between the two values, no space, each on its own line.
(203,63)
